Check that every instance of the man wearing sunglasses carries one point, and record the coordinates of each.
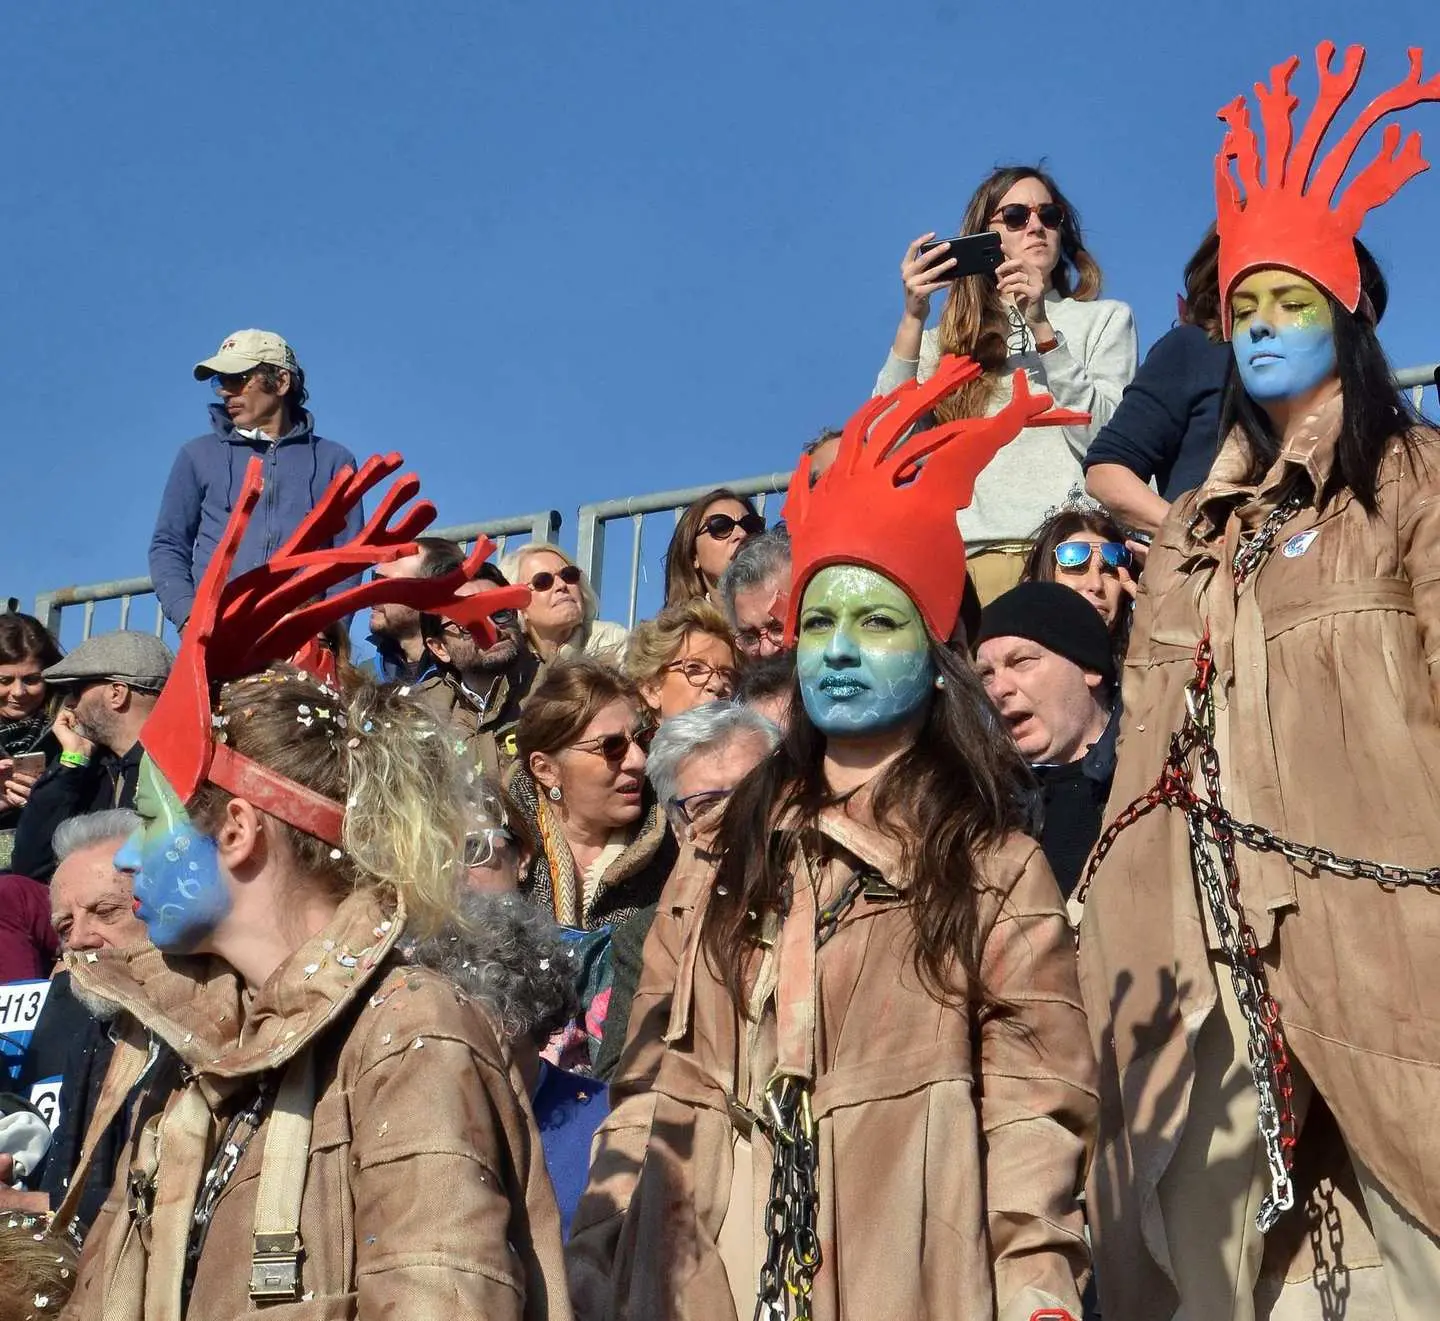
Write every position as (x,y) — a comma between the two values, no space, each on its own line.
(478,692)
(1044,656)
(259,409)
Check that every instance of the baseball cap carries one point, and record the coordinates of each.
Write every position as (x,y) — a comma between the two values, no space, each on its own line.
(139,659)
(244,351)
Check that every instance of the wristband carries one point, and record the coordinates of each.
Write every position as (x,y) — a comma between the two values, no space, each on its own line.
(1047,345)
(76,759)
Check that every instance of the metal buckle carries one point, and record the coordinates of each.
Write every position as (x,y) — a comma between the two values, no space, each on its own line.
(275,1268)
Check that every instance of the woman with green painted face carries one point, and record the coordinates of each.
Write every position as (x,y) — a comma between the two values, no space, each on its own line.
(857,1081)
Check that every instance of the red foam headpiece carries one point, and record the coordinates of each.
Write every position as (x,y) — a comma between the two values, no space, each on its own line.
(274,612)
(1288,220)
(888,501)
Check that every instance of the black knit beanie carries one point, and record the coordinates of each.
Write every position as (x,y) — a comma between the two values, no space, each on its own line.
(1057,618)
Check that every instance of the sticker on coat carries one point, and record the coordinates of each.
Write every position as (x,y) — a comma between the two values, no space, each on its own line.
(1299,543)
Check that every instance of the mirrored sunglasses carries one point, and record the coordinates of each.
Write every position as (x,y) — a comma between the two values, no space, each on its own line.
(1073,556)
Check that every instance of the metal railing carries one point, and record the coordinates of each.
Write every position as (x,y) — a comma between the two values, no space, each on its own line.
(640,595)
(593,520)
(50,606)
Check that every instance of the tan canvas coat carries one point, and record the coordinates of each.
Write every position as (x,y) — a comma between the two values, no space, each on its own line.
(425,1193)
(1328,730)
(950,1152)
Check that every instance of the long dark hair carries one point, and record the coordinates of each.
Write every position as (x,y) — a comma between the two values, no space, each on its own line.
(682,579)
(974,319)
(1040,566)
(1374,413)
(955,791)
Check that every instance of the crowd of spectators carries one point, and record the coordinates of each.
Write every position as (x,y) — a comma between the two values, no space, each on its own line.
(600,753)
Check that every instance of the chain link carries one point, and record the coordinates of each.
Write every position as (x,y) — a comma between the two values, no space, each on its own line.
(238,1132)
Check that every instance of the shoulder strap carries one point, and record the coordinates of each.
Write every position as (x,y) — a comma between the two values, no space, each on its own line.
(275,1258)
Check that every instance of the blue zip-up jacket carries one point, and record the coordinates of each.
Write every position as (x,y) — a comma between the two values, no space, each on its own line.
(203,487)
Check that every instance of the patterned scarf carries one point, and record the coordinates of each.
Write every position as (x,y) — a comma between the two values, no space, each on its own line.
(17,736)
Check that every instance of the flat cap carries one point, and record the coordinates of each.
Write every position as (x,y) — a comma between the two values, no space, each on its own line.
(139,659)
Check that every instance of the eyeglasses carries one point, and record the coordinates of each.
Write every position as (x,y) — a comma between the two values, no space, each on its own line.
(749,639)
(1016,215)
(543,582)
(694,808)
(721,526)
(482,848)
(1072,556)
(231,382)
(698,674)
(616,747)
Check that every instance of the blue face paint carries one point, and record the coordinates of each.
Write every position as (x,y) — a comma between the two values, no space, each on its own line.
(180,893)
(863,655)
(1283,336)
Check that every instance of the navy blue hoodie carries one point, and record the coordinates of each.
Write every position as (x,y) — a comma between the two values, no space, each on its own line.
(203,487)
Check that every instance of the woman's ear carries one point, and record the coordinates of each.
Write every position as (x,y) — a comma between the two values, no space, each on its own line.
(650,694)
(545,770)
(241,841)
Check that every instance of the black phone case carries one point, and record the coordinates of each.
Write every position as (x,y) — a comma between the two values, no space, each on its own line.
(975,254)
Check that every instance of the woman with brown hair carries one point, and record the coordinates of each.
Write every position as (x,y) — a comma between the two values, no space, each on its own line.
(605,848)
(1040,312)
(682,658)
(706,538)
(861,994)
(26,651)
(1085,550)
(314,1094)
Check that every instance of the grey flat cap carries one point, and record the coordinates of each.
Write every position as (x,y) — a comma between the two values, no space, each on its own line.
(139,659)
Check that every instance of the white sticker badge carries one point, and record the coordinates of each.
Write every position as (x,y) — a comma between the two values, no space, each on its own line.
(1299,543)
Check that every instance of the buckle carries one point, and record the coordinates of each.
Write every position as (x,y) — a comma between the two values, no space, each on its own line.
(275,1268)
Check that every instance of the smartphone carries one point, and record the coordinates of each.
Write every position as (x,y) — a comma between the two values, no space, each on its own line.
(975,254)
(28,763)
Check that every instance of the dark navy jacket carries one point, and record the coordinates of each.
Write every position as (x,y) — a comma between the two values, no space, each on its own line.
(203,487)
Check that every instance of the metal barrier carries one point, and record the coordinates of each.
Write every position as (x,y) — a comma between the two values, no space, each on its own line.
(50,606)
(593,520)
(592,523)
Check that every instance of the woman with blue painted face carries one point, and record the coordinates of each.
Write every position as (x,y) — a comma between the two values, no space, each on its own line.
(857,1081)
(1258,942)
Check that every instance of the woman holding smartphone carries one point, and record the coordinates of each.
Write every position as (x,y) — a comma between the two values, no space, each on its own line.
(26,743)
(1040,312)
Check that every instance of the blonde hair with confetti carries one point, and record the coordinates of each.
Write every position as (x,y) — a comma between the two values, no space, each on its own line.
(380,754)
(39,1269)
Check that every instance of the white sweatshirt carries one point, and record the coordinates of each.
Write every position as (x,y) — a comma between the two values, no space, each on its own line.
(1088,369)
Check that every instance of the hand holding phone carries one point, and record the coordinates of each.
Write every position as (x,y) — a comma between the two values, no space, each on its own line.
(969,254)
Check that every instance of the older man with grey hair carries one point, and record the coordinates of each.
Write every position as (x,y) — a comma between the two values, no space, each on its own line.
(753,590)
(699,756)
(92,908)
(695,761)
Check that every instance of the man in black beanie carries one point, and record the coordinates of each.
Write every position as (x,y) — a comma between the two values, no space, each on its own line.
(1043,654)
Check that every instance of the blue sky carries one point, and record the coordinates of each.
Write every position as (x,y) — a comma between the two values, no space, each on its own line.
(566,252)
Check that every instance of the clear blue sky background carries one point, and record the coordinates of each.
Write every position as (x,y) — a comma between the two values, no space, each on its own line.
(559,252)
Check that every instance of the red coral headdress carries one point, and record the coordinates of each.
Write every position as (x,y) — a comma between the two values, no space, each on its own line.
(1288,220)
(889,500)
(274,611)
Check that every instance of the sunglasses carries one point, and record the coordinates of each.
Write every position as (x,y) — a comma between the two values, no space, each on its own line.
(231,382)
(698,674)
(1017,215)
(1075,555)
(721,526)
(543,582)
(482,848)
(616,747)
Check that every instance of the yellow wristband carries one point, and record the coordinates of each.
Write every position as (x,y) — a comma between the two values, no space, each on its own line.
(77,759)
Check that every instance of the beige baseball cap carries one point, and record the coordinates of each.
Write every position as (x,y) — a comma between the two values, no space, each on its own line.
(244,351)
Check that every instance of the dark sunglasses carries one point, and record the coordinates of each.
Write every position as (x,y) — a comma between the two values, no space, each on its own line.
(616,747)
(543,582)
(231,382)
(1016,215)
(1074,555)
(721,526)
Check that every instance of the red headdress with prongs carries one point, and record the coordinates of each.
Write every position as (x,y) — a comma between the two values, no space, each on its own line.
(273,612)
(1288,220)
(888,501)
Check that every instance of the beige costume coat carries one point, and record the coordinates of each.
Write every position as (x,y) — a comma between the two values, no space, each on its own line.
(1328,730)
(951,1150)
(425,1191)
